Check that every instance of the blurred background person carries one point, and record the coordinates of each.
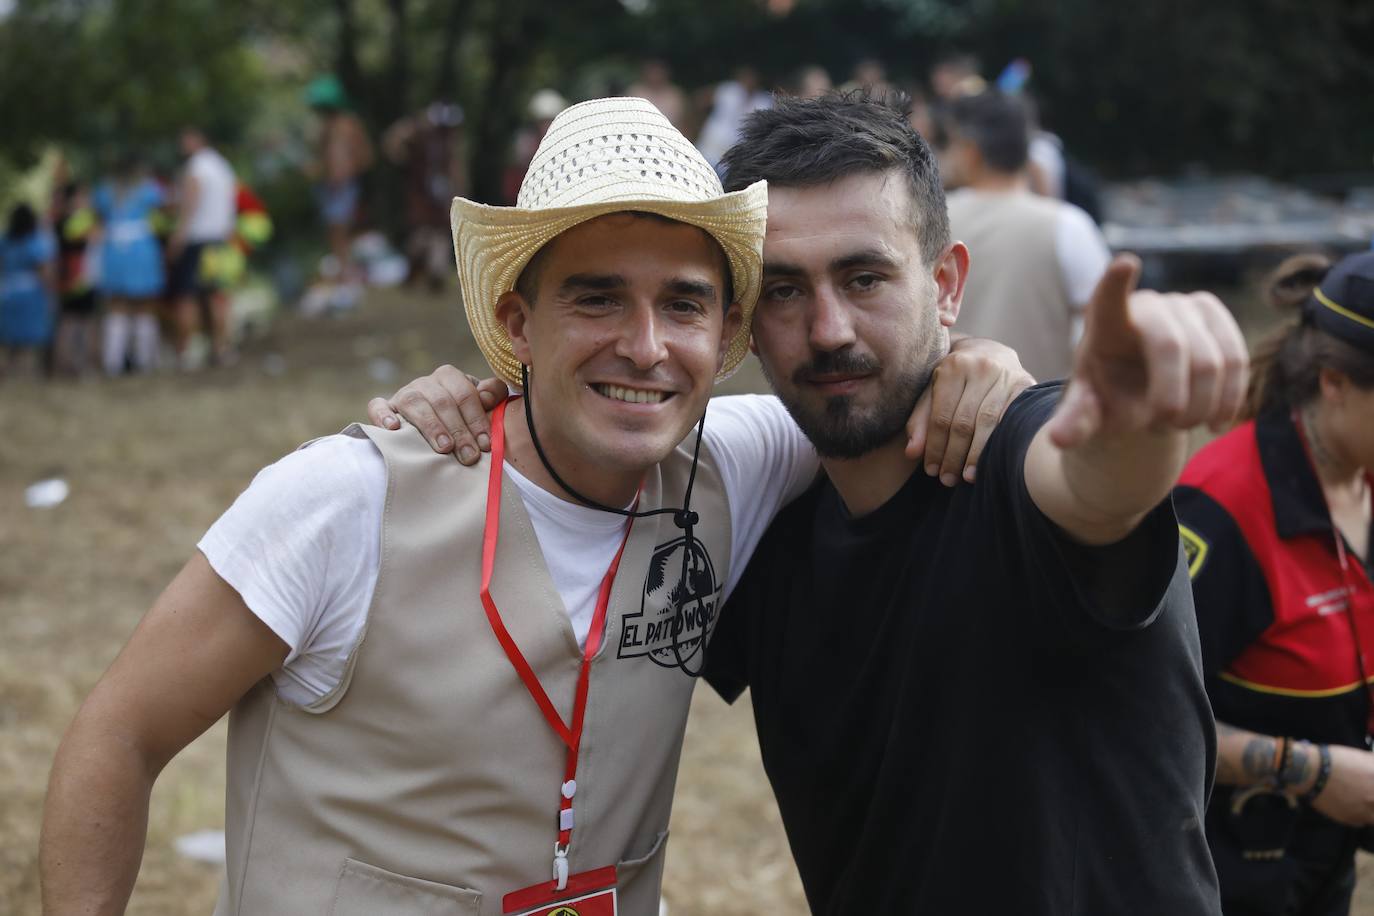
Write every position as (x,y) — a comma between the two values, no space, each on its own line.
(656,84)
(26,282)
(75,229)
(870,76)
(955,75)
(811,82)
(922,118)
(206,213)
(1036,259)
(132,279)
(1275,518)
(540,111)
(1056,173)
(731,101)
(343,153)
(428,147)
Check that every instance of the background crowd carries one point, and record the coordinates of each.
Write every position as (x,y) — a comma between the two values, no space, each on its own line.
(96,276)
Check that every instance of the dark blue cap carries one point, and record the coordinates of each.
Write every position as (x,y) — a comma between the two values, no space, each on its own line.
(1343,305)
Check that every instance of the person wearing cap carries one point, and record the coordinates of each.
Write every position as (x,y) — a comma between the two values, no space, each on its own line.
(343,154)
(948,677)
(1275,517)
(462,689)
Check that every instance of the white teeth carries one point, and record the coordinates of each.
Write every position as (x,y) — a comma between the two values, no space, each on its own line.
(630,395)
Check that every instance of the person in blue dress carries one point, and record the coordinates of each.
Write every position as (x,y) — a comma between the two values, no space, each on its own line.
(132,278)
(26,305)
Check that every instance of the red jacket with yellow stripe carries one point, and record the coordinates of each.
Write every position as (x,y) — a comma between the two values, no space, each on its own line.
(1278,624)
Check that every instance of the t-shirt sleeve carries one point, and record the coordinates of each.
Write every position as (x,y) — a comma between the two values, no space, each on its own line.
(153,196)
(44,247)
(100,202)
(765,462)
(1229,589)
(1083,256)
(1078,587)
(296,544)
(727,653)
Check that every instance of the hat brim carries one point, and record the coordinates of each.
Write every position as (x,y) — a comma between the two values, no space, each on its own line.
(492,245)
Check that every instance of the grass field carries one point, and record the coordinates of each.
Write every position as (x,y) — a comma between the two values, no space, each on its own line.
(151,463)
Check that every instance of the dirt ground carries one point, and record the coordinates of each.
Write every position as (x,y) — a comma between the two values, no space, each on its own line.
(151,463)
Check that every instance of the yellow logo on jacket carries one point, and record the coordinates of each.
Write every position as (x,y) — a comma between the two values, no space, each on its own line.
(1194,548)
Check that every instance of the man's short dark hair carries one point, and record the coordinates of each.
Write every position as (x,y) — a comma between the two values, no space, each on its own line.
(999,125)
(803,143)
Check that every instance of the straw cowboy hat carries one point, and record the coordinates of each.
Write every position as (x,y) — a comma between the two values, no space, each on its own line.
(599,157)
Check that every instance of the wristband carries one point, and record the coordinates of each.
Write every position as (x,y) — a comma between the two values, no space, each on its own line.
(1323,774)
(1284,750)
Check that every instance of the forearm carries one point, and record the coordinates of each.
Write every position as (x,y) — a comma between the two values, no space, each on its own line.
(1099,491)
(1246,758)
(95,822)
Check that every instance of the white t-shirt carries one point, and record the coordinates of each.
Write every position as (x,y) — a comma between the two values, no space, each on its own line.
(1083,256)
(214,215)
(302,544)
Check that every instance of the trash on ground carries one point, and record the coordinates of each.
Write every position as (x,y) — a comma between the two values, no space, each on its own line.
(45,494)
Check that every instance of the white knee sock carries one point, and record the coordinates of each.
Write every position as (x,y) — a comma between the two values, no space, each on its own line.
(146,340)
(116,343)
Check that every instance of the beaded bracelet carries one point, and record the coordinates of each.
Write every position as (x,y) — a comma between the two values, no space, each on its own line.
(1323,774)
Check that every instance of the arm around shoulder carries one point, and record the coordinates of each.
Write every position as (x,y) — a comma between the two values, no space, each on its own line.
(194,654)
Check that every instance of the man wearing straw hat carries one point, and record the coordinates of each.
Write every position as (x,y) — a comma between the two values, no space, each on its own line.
(460,689)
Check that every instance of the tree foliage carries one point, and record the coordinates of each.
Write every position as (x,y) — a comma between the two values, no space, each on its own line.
(1276,86)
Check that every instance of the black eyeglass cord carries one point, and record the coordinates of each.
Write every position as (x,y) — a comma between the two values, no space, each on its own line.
(683,518)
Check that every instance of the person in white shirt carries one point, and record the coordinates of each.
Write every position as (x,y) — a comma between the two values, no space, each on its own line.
(625,293)
(206,212)
(1038,258)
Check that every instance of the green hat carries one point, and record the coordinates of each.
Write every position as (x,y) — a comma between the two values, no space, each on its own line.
(326,92)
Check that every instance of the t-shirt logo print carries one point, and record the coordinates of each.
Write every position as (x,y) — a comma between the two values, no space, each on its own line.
(675,613)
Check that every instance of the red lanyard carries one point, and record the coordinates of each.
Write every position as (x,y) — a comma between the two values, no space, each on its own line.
(1348,579)
(570,735)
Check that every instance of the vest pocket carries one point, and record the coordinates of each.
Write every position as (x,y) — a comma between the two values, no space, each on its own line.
(366,890)
(639,880)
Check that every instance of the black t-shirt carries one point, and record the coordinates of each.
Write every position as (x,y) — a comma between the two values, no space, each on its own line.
(963,712)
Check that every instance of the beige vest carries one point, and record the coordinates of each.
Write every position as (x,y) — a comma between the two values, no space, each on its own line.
(1015,291)
(428,781)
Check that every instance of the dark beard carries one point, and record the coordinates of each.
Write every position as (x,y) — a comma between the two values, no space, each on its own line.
(838,429)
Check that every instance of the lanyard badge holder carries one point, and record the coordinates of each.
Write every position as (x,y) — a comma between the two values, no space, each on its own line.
(590,893)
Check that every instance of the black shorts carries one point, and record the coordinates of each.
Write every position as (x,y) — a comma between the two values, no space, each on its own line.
(80,305)
(184,278)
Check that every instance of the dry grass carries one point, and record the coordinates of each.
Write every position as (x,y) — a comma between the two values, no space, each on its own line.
(151,464)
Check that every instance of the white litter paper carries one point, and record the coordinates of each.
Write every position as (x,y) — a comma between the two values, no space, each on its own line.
(47,493)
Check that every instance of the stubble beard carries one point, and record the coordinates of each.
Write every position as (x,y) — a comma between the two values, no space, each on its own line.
(839,428)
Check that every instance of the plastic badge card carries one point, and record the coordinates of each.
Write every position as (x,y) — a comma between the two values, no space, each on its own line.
(591,893)
(598,903)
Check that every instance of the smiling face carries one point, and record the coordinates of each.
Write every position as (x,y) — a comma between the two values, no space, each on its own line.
(852,320)
(626,333)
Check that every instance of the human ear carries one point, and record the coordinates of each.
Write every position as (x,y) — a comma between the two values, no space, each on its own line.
(950,274)
(1332,385)
(513,311)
